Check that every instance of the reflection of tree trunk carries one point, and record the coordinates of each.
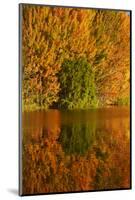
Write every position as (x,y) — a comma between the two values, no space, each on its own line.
(41,91)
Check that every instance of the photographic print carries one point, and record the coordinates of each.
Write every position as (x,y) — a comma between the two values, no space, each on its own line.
(74,99)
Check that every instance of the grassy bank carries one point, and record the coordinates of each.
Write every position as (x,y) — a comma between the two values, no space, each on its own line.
(118,102)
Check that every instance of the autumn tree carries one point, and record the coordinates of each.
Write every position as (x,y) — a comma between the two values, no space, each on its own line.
(40,64)
(51,35)
(111,63)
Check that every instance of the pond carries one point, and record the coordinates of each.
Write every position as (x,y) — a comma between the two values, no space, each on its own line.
(78,150)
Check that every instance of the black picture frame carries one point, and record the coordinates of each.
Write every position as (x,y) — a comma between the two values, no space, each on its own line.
(20,98)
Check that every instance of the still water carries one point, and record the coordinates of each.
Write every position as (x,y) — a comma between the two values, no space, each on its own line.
(66,151)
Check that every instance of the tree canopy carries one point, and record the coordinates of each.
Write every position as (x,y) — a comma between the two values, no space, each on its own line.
(56,40)
(77,85)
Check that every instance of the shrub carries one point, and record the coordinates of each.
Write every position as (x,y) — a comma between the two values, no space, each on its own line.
(77,85)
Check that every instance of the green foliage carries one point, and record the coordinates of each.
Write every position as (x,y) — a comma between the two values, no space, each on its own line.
(77,85)
(77,138)
(122,101)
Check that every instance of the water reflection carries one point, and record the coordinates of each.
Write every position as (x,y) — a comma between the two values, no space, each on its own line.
(77,138)
(76,150)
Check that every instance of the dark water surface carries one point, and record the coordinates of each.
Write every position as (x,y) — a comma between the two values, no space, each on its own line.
(66,151)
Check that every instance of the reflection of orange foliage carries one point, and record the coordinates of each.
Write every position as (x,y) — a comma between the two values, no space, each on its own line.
(46,168)
(115,170)
(83,170)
